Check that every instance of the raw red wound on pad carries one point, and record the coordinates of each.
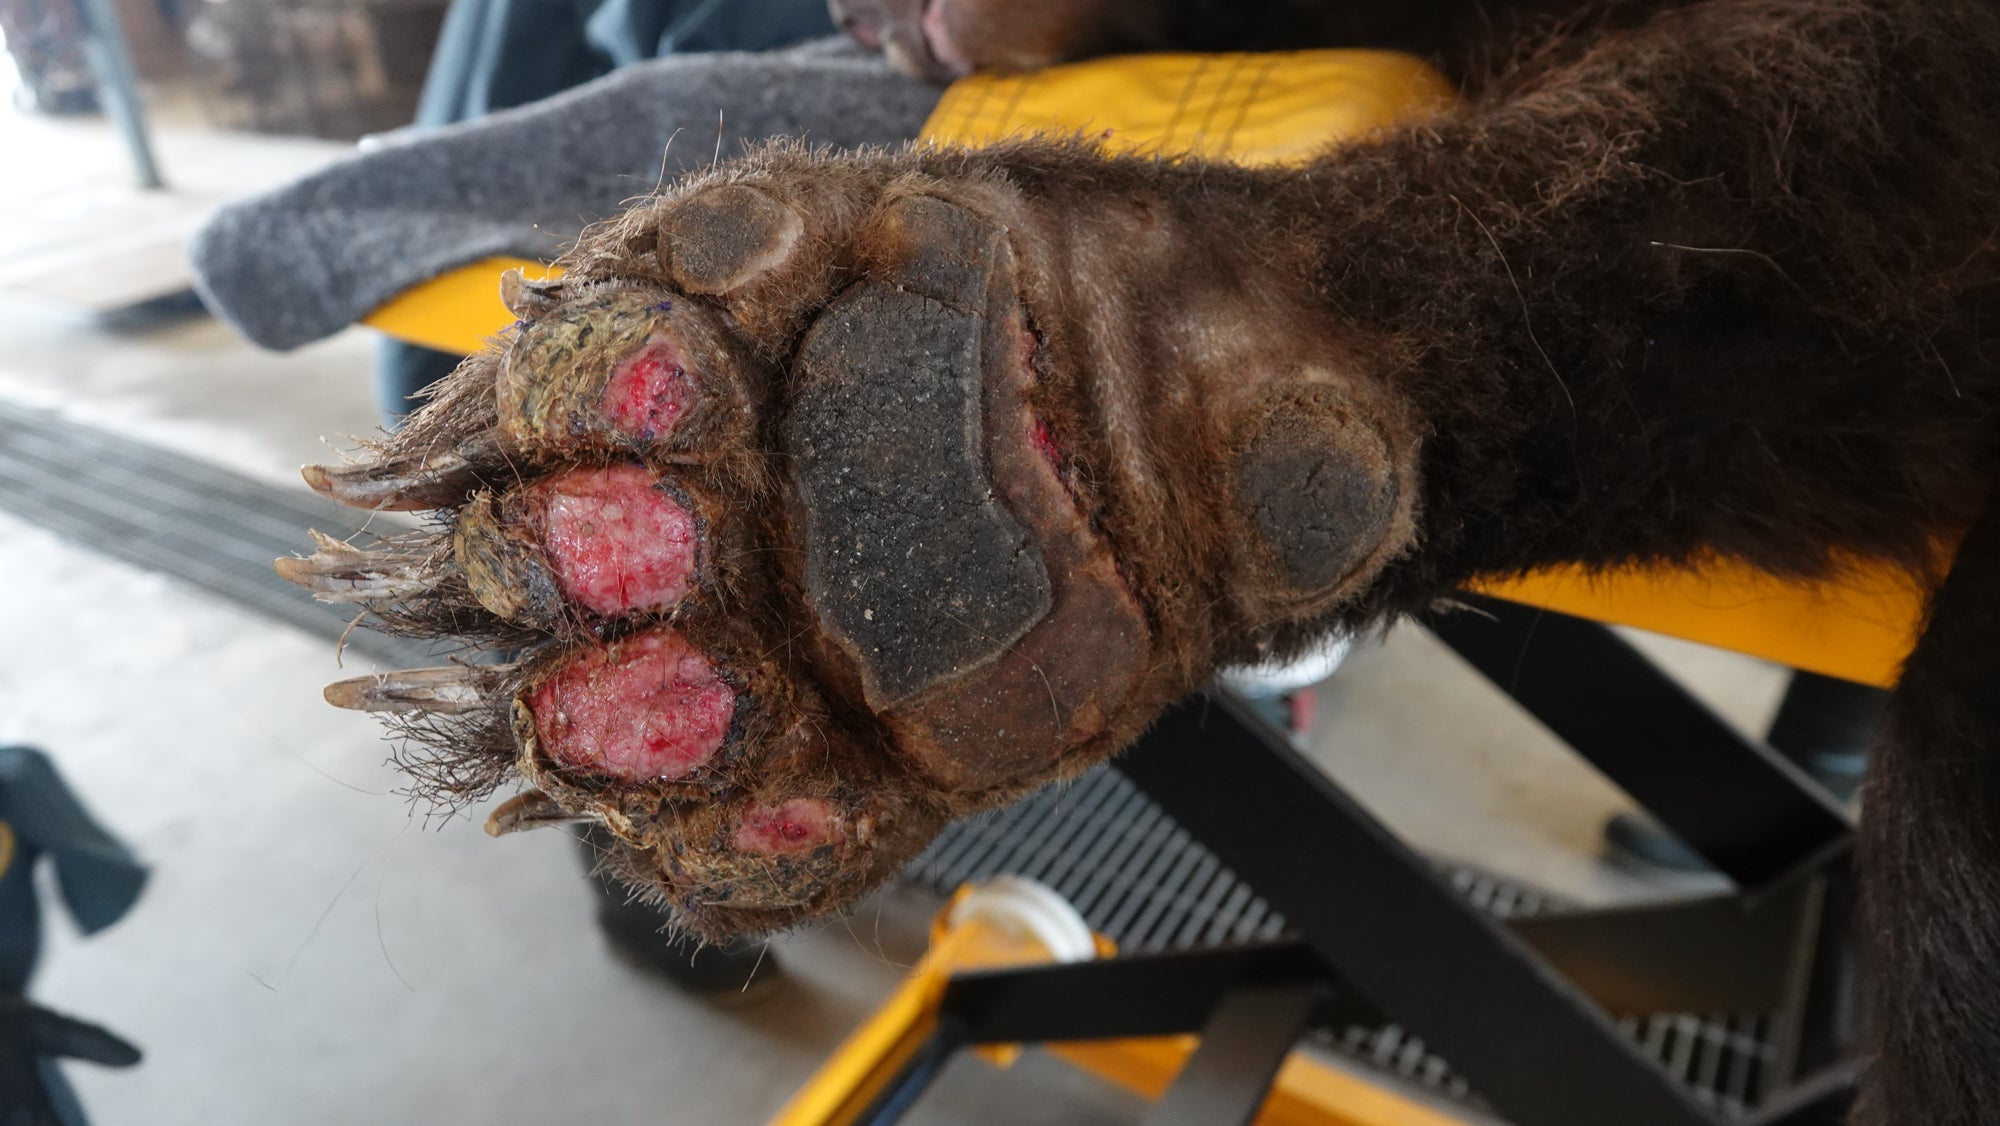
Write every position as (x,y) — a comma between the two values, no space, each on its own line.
(650,391)
(1045,442)
(799,825)
(616,542)
(650,707)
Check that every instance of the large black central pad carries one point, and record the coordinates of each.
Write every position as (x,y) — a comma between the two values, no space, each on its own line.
(911,561)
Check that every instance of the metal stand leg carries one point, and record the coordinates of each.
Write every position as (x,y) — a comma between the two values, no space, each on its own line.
(1138,995)
(1744,807)
(1739,803)
(914,1078)
(1228,1077)
(118,85)
(1522,1009)
(1533,1044)
(1823,1100)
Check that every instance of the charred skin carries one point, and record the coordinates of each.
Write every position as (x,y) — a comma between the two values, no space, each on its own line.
(822,510)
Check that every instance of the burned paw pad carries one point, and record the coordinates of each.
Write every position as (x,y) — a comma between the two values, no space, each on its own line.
(769,620)
(613,541)
(622,370)
(651,708)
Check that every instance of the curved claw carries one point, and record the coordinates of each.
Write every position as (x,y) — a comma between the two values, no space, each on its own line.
(407,484)
(528,299)
(451,690)
(341,572)
(530,809)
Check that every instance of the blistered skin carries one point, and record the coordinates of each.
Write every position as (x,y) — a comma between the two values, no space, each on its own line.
(600,542)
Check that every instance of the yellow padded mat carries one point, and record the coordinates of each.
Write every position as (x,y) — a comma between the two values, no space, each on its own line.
(1280,109)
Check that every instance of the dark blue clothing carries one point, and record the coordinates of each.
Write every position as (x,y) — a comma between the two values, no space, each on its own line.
(99,880)
(496,54)
(39,816)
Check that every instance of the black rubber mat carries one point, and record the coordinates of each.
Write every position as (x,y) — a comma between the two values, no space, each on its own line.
(1141,881)
(167,512)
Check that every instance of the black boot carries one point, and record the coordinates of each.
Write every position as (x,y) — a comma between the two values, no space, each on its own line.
(637,934)
(1826,726)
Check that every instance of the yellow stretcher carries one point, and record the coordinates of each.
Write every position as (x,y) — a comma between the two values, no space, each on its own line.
(1271,109)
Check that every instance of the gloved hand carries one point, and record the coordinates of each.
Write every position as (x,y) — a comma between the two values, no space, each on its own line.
(29,1033)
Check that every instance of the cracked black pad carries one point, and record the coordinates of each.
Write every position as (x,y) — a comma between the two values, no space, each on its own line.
(911,562)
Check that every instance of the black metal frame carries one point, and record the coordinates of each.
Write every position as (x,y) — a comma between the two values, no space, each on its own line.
(1524,1009)
(1735,801)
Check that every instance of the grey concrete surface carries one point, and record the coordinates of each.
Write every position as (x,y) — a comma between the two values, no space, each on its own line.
(1446,760)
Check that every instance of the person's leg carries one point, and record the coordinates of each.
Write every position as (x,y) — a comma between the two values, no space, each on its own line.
(631,30)
(1825,726)
(498,54)
(402,371)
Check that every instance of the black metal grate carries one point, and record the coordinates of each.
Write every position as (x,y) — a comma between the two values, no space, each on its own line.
(163,511)
(1138,879)
(1134,875)
(1132,872)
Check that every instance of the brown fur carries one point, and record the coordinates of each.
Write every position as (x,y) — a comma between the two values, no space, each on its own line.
(1720,278)
(1679,279)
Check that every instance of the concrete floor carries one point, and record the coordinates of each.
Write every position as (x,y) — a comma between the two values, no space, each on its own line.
(309,953)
